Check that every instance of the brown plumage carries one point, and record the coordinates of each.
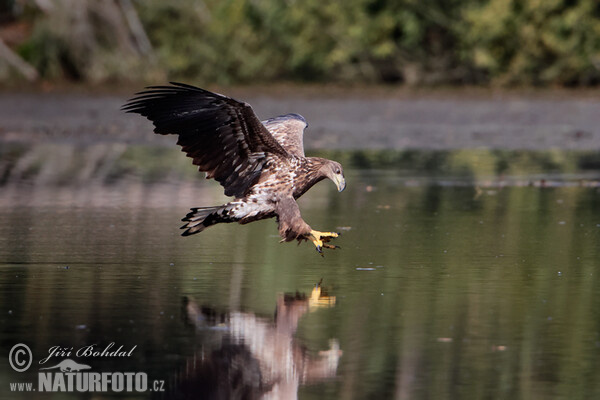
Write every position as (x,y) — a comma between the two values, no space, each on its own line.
(261,164)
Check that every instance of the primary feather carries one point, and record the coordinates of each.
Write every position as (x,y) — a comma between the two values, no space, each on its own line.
(223,136)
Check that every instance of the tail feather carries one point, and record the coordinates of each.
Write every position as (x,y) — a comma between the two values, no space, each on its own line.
(200,218)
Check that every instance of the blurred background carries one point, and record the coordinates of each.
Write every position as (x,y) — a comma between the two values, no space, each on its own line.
(469,131)
(475,42)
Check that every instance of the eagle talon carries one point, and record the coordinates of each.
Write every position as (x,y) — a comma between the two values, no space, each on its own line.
(320,240)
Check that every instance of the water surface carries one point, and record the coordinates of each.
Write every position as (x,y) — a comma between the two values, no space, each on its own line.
(447,286)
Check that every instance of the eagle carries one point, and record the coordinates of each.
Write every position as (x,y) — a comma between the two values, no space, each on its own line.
(261,164)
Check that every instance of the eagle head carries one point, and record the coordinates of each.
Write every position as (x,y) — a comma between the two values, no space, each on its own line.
(333,170)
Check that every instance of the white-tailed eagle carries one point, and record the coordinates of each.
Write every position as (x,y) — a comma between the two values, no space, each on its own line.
(260,164)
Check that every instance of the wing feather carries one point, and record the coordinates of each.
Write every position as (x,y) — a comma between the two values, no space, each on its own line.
(288,130)
(223,136)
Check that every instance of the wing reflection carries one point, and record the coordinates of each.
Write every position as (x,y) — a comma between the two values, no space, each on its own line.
(245,356)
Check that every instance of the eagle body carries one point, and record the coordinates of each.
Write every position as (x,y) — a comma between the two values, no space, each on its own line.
(280,181)
(261,164)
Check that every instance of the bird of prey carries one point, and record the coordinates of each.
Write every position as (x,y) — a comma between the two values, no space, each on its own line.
(260,164)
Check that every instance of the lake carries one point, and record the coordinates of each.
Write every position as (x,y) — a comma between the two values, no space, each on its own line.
(461,275)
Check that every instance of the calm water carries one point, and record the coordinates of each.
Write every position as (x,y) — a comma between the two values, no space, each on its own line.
(444,288)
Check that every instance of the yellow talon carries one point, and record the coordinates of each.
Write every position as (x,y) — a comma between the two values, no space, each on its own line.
(320,239)
(325,236)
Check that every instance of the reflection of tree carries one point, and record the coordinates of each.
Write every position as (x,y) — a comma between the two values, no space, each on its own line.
(255,357)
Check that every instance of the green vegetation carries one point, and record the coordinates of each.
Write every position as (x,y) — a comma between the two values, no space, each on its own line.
(507,42)
(536,42)
(109,163)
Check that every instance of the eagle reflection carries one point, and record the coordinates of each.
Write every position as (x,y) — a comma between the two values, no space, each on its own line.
(254,357)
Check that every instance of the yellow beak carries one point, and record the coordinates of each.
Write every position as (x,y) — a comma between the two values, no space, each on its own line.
(340,182)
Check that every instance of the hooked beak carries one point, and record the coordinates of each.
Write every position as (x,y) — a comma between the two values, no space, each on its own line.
(340,182)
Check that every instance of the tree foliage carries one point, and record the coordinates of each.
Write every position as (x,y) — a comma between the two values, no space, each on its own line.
(536,41)
(533,42)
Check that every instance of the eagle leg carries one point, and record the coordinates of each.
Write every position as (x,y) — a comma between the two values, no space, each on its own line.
(320,240)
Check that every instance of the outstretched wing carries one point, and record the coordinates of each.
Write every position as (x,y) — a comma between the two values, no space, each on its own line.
(289,131)
(223,136)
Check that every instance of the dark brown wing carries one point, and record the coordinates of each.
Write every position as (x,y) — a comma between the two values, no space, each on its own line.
(288,130)
(223,136)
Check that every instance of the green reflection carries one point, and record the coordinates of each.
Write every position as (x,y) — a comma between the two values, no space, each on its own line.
(446,288)
(109,163)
